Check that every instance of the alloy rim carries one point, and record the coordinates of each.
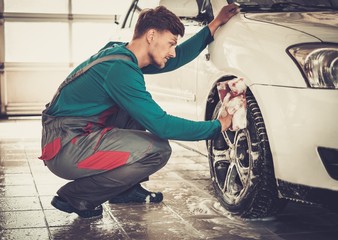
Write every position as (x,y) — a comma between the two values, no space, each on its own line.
(232,166)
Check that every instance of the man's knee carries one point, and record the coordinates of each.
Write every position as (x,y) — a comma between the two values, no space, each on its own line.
(159,155)
(166,151)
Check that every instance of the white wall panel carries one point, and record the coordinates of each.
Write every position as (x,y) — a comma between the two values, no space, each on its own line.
(42,40)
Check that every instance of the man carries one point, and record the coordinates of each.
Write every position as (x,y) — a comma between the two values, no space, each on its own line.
(94,127)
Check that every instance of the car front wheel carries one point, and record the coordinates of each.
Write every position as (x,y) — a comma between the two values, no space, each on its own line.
(241,168)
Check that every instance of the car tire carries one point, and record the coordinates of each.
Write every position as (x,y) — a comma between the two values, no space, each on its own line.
(241,168)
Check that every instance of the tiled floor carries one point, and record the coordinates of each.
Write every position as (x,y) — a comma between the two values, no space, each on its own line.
(189,210)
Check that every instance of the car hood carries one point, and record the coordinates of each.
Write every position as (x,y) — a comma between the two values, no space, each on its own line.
(322,25)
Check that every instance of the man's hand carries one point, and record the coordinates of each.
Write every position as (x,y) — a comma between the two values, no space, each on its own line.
(223,17)
(225,121)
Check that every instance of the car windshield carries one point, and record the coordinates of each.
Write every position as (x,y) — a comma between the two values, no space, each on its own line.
(286,6)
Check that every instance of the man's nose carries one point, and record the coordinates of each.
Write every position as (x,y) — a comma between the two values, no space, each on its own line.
(172,53)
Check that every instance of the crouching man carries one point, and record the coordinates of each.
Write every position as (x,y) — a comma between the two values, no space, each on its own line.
(103,130)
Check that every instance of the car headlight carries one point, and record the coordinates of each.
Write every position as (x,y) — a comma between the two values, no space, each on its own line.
(318,62)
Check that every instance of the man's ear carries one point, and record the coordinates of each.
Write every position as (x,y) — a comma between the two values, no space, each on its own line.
(150,35)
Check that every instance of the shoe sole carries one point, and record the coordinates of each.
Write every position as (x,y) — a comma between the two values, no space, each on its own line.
(61,205)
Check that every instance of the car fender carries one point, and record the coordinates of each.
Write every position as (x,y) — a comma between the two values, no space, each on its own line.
(258,49)
(240,49)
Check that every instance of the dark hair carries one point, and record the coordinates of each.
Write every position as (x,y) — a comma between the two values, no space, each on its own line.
(159,18)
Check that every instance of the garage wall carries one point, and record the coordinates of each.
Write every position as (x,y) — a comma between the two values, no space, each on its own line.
(42,40)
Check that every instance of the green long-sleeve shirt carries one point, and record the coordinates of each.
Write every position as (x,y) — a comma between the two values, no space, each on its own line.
(121,82)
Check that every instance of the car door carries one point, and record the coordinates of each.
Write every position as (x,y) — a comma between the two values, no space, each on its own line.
(174,91)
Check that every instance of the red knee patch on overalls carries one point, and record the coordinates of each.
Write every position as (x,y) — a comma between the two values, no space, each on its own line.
(104,160)
(50,150)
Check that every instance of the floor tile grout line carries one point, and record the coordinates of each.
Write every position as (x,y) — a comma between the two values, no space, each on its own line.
(179,216)
(116,221)
(20,210)
(19,228)
(38,195)
(183,220)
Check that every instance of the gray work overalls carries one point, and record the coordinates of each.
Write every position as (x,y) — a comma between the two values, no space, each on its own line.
(104,154)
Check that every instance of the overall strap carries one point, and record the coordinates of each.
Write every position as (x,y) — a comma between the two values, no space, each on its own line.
(83,70)
(99,60)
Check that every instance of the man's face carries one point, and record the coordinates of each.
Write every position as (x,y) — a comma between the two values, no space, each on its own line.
(162,47)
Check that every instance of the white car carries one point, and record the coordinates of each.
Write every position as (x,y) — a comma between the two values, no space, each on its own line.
(287,52)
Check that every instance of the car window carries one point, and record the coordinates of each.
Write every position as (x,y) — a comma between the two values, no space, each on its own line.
(136,7)
(286,6)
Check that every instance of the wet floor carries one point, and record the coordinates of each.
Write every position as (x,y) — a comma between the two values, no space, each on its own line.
(189,209)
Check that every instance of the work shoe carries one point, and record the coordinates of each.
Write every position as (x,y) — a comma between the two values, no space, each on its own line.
(64,206)
(138,194)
